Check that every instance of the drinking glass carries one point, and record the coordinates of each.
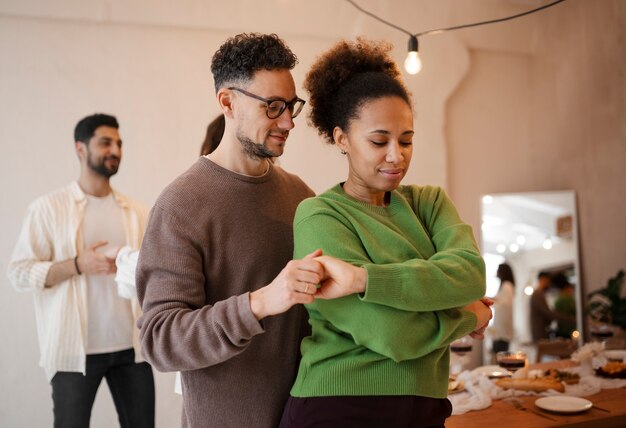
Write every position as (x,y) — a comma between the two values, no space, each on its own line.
(462,346)
(511,361)
(459,348)
(600,332)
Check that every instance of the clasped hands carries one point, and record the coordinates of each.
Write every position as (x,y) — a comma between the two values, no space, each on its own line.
(91,262)
(482,309)
(302,281)
(324,277)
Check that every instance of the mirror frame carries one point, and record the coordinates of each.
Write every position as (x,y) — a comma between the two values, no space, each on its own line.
(578,287)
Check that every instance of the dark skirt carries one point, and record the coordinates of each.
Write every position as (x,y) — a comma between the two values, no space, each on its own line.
(365,412)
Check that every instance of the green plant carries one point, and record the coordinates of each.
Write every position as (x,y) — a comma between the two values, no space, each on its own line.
(607,305)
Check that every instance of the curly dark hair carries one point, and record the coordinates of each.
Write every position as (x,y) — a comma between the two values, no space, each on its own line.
(342,79)
(240,56)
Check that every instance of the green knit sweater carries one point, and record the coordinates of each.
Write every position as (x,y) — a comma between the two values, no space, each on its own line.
(422,263)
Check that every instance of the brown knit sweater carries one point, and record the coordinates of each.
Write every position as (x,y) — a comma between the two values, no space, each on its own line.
(212,237)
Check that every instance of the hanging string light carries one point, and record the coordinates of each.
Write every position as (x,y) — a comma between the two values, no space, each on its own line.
(413,63)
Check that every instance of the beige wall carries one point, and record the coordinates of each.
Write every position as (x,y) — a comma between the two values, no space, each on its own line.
(552,119)
(579,126)
(149,64)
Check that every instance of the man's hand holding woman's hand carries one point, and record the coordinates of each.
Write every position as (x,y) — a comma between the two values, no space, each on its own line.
(296,283)
(340,278)
(301,281)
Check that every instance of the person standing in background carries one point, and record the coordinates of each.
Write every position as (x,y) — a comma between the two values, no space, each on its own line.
(565,306)
(501,330)
(65,256)
(541,315)
(214,133)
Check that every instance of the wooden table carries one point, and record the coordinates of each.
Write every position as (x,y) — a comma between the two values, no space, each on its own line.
(503,414)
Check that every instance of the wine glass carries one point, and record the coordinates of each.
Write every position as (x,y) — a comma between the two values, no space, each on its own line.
(459,348)
(601,332)
(511,361)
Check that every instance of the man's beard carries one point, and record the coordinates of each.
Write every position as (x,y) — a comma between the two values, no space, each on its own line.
(254,150)
(100,168)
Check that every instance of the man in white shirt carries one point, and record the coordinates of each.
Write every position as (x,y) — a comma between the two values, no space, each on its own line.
(65,256)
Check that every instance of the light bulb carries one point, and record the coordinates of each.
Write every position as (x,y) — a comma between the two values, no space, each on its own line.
(413,63)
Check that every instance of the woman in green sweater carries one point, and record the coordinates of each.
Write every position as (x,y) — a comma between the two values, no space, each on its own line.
(379,357)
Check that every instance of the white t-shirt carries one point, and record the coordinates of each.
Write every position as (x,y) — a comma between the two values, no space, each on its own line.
(109,316)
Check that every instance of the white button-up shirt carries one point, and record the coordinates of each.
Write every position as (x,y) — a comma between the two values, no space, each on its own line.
(51,233)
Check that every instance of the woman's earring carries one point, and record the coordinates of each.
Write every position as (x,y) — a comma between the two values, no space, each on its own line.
(343,152)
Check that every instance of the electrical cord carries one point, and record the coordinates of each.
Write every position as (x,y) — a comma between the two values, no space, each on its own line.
(457,27)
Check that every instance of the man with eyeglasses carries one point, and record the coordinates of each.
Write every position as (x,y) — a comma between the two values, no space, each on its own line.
(220,294)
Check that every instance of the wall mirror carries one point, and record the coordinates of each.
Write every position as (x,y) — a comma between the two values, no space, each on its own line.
(532,232)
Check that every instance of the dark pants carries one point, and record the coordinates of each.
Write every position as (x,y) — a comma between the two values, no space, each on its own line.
(366,412)
(131,385)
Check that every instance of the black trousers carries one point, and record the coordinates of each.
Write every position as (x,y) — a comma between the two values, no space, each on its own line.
(366,412)
(131,385)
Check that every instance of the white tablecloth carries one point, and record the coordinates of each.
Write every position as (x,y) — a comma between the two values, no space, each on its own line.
(480,390)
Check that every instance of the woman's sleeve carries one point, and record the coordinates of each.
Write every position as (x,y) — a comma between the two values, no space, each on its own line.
(452,277)
(407,334)
(394,333)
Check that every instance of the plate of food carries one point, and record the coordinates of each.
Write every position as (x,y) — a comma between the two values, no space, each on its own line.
(618,355)
(492,372)
(527,384)
(566,377)
(455,386)
(563,404)
(613,370)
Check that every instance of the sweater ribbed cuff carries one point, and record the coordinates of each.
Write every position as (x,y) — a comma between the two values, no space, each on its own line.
(374,293)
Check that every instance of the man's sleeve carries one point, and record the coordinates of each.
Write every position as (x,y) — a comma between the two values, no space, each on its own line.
(32,256)
(179,331)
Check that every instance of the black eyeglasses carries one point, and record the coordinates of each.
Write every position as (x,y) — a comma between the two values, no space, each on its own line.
(276,107)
